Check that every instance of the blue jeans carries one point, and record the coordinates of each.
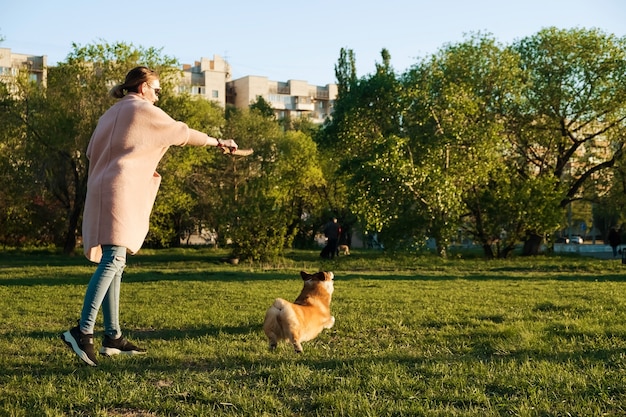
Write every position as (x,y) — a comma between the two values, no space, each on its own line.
(104,290)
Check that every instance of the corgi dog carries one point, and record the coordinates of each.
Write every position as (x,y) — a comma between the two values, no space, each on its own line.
(345,249)
(306,317)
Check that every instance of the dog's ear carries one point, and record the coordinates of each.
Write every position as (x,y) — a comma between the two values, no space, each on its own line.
(328,276)
(305,276)
(323,276)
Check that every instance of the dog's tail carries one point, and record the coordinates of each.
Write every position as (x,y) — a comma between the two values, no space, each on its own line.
(279,304)
(272,325)
(275,316)
(274,312)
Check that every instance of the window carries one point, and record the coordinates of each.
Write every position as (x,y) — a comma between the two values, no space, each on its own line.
(215,94)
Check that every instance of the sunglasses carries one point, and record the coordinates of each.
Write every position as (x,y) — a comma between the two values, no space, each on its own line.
(157,90)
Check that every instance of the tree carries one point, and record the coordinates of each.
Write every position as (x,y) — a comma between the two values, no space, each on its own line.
(453,121)
(482,138)
(362,141)
(460,99)
(187,188)
(264,198)
(294,180)
(263,107)
(345,72)
(57,123)
(571,121)
(501,212)
(29,215)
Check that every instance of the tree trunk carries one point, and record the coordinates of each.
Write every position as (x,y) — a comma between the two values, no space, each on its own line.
(80,191)
(532,244)
(488,250)
(69,246)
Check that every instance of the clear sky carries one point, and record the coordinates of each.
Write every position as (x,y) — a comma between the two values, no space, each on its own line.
(286,40)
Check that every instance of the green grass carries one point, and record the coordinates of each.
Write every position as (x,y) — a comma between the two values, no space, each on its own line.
(415,336)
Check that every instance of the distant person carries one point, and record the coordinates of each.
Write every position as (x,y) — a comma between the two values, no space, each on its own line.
(331,231)
(614,240)
(125,148)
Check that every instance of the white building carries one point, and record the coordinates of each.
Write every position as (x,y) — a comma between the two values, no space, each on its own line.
(211,80)
(12,63)
(292,99)
(207,79)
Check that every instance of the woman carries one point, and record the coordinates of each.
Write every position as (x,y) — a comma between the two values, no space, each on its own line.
(124,151)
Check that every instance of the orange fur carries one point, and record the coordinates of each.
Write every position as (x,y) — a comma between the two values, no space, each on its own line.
(305,318)
(345,249)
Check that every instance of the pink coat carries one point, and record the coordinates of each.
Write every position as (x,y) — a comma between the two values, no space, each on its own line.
(124,151)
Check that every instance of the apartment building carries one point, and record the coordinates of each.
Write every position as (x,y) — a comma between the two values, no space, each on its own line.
(210,79)
(292,99)
(12,63)
(207,78)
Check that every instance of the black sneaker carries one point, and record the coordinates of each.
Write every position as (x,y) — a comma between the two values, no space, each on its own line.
(112,347)
(81,344)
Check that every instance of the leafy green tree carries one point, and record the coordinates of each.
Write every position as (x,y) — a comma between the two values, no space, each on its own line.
(571,121)
(334,196)
(187,186)
(266,196)
(334,128)
(412,147)
(294,180)
(250,218)
(263,107)
(459,99)
(481,137)
(29,215)
(501,213)
(362,142)
(57,124)
(454,130)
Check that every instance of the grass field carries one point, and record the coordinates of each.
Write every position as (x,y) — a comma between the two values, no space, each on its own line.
(415,336)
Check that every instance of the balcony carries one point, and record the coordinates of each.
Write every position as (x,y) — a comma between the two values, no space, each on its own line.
(322,95)
(305,106)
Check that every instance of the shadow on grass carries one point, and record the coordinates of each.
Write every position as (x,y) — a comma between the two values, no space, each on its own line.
(197,332)
(81,278)
(481,344)
(203,265)
(150,276)
(45,258)
(262,365)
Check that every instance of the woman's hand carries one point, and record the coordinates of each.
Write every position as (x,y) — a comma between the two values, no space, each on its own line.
(228,145)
